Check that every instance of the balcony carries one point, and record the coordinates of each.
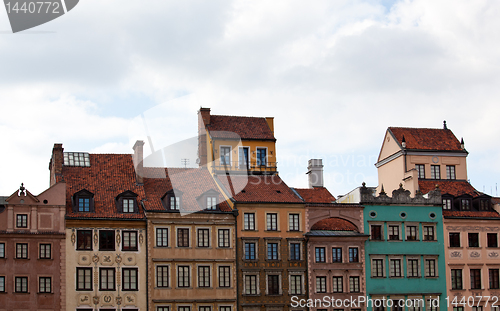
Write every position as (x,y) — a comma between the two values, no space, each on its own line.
(253,168)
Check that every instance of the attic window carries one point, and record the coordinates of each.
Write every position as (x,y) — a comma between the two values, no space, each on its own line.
(126,202)
(83,201)
(278,191)
(211,203)
(77,159)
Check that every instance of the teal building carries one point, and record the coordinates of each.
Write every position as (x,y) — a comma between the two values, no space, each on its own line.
(404,256)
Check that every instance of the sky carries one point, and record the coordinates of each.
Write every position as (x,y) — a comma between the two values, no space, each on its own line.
(333,74)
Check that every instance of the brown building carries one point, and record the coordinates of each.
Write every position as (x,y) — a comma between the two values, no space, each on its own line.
(32,250)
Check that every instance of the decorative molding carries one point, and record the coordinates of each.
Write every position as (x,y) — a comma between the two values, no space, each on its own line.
(400,196)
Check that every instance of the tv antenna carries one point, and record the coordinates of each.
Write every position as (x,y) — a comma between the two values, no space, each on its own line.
(185,162)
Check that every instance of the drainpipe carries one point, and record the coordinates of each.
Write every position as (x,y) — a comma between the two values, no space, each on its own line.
(235,214)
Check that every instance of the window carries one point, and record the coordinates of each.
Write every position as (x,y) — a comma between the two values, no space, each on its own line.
(294,251)
(456,278)
(293,221)
(395,268)
(249,221)
(475,278)
(447,204)
(430,268)
(106,240)
(162,277)
(183,308)
(394,232)
(224,238)
(22,250)
(22,221)
(411,233)
(412,267)
(182,237)
(45,285)
(226,308)
(272,222)
(458,308)
(421,170)
(129,281)
(84,279)
(492,239)
(212,203)
(175,203)
(84,239)
(296,284)
(83,204)
(454,239)
(435,173)
(473,239)
(273,284)
(2,250)
(183,276)
(2,284)
(378,268)
(261,156)
(429,233)
(336,254)
(243,158)
(127,205)
(321,284)
(484,205)
(76,159)
(337,285)
(272,251)
(129,241)
(45,251)
(477,308)
(203,237)
(224,276)
(250,251)
(450,172)
(353,254)
(465,204)
(354,284)
(204,308)
(21,284)
(494,284)
(250,284)
(107,279)
(320,254)
(376,232)
(203,276)
(161,237)
(225,156)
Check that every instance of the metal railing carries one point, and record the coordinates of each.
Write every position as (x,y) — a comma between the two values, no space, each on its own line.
(241,166)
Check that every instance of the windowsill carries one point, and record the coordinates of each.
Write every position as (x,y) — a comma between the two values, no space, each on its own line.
(21,258)
(225,247)
(84,290)
(251,260)
(107,250)
(183,247)
(107,290)
(455,247)
(432,277)
(413,277)
(457,289)
(202,288)
(162,247)
(272,230)
(250,230)
(45,258)
(85,250)
(473,247)
(274,295)
(491,247)
(130,290)
(395,240)
(228,287)
(396,277)
(472,289)
(336,261)
(163,287)
(295,260)
(295,231)
(187,287)
(44,293)
(130,250)
(429,240)
(377,240)
(25,293)
(412,240)
(251,295)
(203,247)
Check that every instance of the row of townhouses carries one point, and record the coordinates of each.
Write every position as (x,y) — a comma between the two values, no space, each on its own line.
(114,232)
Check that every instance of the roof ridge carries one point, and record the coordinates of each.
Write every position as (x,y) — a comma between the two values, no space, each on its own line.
(221,115)
(418,128)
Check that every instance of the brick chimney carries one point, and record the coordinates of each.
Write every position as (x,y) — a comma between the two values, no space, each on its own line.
(203,121)
(138,159)
(315,172)
(56,163)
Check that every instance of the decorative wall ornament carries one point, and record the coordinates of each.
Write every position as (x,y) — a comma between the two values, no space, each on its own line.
(493,254)
(84,259)
(118,300)
(118,237)
(83,300)
(475,254)
(456,254)
(141,238)
(107,300)
(130,300)
(96,299)
(95,258)
(107,259)
(96,237)
(118,259)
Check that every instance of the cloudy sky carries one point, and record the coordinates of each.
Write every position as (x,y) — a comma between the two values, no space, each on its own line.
(333,74)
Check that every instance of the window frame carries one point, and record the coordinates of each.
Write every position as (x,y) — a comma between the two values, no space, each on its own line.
(376,232)
(293,222)
(22,221)
(259,160)
(273,250)
(203,237)
(127,281)
(412,267)
(162,281)
(473,239)
(250,253)
(131,247)
(451,172)
(161,240)
(272,222)
(224,275)
(296,289)
(435,171)
(354,282)
(420,170)
(105,241)
(490,239)
(320,254)
(45,280)
(22,253)
(377,267)
(2,284)
(475,279)
(86,286)
(273,284)
(395,267)
(226,240)
(249,222)
(411,235)
(105,274)
(42,251)
(447,203)
(391,235)
(337,255)
(456,279)
(183,276)
(337,284)
(425,235)
(204,276)
(431,270)
(23,286)
(183,237)
(84,236)
(2,249)
(295,251)
(454,239)
(493,278)
(322,284)
(250,284)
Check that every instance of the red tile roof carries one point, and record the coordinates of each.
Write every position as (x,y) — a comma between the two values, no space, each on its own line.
(495,200)
(472,214)
(108,176)
(427,139)
(455,188)
(243,127)
(259,189)
(316,195)
(191,182)
(334,224)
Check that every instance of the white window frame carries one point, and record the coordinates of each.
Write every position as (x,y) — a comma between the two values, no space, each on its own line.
(250,224)
(230,155)
(408,269)
(407,226)
(372,260)
(209,235)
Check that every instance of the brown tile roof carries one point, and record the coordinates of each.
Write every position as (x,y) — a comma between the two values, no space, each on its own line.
(455,188)
(243,127)
(472,214)
(107,177)
(427,139)
(495,200)
(259,188)
(191,182)
(334,224)
(316,195)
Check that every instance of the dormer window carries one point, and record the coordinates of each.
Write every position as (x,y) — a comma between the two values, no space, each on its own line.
(465,204)
(172,200)
(175,203)
(83,201)
(126,202)
(208,200)
(211,203)
(484,205)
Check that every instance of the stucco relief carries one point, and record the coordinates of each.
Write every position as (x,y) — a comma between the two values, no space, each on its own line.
(456,254)
(472,228)
(107,259)
(474,255)
(129,260)
(107,300)
(83,299)
(84,259)
(130,300)
(493,254)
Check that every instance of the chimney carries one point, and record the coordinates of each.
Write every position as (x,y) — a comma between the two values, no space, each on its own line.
(270,123)
(56,163)
(138,159)
(315,171)
(203,121)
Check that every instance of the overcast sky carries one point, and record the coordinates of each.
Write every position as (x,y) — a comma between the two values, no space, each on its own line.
(333,74)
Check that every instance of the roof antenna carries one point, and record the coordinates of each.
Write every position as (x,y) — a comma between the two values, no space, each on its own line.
(444,125)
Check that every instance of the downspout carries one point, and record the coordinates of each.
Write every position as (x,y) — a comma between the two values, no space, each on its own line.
(147,260)
(235,214)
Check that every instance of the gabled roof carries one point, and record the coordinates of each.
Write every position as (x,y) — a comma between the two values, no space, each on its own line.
(334,224)
(315,195)
(454,187)
(426,139)
(107,177)
(471,214)
(258,189)
(244,127)
(191,182)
